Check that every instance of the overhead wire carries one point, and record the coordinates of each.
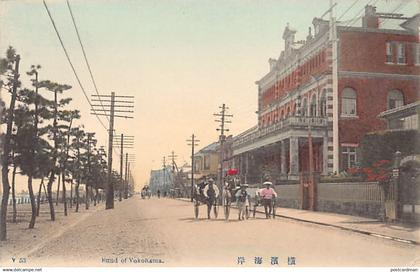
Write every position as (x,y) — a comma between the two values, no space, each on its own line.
(85,56)
(398,7)
(348,9)
(87,63)
(74,69)
(70,62)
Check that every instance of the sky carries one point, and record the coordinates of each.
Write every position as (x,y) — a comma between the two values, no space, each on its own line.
(181,59)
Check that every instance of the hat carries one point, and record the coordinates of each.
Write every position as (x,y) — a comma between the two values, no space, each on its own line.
(244,185)
(268,183)
(211,180)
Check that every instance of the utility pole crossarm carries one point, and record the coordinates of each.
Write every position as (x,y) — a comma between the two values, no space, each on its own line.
(223,120)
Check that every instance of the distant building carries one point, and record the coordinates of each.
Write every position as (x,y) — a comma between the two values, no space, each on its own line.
(206,161)
(378,70)
(161,179)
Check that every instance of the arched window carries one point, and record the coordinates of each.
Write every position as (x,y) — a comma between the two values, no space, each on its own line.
(323,104)
(304,107)
(348,102)
(395,99)
(282,114)
(312,108)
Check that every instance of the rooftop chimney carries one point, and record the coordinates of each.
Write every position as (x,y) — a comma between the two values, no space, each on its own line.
(371,19)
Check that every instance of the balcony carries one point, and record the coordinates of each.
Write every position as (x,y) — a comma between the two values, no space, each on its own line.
(291,123)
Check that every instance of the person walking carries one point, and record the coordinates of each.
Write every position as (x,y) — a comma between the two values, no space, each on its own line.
(268,195)
(242,201)
(211,192)
(158,193)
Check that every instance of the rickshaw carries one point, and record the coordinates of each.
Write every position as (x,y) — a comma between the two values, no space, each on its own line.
(257,201)
(231,186)
(199,198)
(145,192)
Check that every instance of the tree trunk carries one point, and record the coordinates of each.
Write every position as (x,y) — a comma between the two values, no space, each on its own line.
(58,189)
(64,192)
(95,198)
(39,197)
(50,197)
(87,197)
(6,153)
(71,193)
(33,205)
(14,194)
(77,195)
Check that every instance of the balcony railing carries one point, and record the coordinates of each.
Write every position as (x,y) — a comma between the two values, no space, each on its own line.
(292,122)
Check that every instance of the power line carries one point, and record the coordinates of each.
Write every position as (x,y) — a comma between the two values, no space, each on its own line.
(355,18)
(400,6)
(347,10)
(84,54)
(69,61)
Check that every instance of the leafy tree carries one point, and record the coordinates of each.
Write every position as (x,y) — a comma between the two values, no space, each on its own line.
(32,149)
(10,81)
(64,135)
(56,88)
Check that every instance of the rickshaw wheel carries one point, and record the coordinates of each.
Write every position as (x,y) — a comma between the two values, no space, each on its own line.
(216,211)
(227,211)
(274,209)
(196,209)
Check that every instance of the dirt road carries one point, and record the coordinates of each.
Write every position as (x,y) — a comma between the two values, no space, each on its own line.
(163,232)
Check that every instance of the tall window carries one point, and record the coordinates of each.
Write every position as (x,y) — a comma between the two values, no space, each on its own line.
(401,53)
(395,99)
(349,157)
(304,108)
(206,162)
(348,102)
(389,52)
(416,50)
(312,109)
(323,104)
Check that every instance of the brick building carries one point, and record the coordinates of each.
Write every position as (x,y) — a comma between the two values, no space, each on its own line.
(376,69)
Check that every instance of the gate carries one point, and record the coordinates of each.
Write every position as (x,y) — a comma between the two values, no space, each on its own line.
(409,192)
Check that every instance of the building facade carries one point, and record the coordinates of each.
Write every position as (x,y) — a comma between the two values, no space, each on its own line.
(206,161)
(303,97)
(161,179)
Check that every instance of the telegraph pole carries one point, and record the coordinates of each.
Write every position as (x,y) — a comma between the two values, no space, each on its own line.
(129,159)
(174,178)
(223,116)
(125,177)
(130,179)
(164,170)
(173,157)
(122,142)
(192,142)
(333,40)
(108,109)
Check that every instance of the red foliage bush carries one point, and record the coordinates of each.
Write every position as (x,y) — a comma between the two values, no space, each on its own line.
(380,171)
